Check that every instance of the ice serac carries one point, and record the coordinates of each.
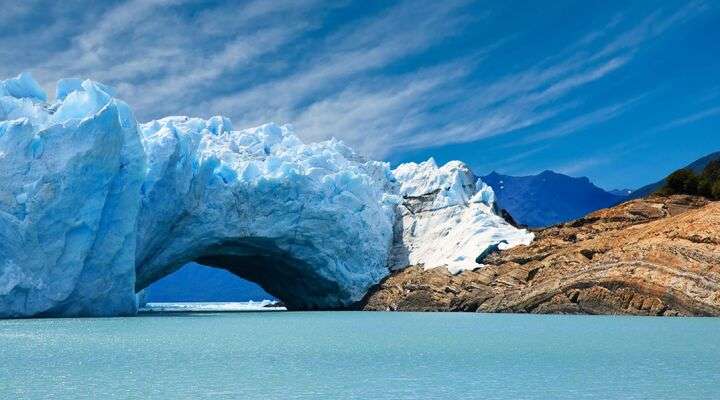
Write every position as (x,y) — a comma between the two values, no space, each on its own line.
(69,180)
(94,207)
(448,218)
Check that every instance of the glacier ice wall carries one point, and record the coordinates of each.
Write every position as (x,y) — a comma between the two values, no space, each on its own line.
(94,207)
(69,180)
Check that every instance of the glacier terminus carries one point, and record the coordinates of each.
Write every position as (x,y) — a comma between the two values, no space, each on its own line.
(94,207)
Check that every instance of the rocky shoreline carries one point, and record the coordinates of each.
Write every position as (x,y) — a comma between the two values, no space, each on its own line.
(657,256)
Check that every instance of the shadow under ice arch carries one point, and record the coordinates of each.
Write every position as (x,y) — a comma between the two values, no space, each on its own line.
(298,284)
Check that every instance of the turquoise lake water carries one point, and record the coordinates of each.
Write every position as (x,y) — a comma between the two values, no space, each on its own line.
(355,355)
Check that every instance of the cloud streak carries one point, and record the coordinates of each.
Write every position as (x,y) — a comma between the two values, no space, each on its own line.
(689,119)
(359,80)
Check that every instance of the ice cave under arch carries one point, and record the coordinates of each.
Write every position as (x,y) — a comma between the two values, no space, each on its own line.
(296,283)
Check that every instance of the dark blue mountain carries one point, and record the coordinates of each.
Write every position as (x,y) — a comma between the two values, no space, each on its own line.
(195,282)
(548,198)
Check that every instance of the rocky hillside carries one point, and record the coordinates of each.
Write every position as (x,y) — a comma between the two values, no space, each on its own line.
(656,256)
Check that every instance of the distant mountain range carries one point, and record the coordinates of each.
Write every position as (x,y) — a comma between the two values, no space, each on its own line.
(549,198)
(697,166)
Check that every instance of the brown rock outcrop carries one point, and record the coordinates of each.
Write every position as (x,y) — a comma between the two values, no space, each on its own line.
(655,256)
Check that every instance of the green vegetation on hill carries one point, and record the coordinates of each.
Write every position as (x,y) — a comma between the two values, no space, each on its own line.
(685,181)
(696,166)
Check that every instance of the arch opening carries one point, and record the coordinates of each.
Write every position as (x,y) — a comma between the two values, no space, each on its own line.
(198,283)
(296,283)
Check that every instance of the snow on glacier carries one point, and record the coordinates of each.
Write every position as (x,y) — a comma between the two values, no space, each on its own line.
(94,207)
(447,218)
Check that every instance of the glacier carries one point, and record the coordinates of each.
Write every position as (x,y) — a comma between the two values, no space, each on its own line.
(94,207)
(447,218)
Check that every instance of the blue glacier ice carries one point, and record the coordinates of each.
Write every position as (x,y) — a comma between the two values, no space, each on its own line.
(94,207)
(23,86)
(69,183)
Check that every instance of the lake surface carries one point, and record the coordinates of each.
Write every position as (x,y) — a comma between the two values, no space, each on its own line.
(356,355)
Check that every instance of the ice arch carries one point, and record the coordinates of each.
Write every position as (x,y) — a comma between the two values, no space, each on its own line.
(309,223)
(94,207)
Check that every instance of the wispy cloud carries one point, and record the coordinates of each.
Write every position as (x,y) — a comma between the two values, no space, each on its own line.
(707,113)
(349,58)
(284,61)
(576,167)
(580,122)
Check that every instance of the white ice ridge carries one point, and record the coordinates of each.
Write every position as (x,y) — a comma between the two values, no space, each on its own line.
(94,207)
(448,217)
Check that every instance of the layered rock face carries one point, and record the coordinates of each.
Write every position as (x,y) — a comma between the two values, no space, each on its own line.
(95,207)
(656,256)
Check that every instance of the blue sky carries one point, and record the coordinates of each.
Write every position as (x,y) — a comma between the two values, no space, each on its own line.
(623,92)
